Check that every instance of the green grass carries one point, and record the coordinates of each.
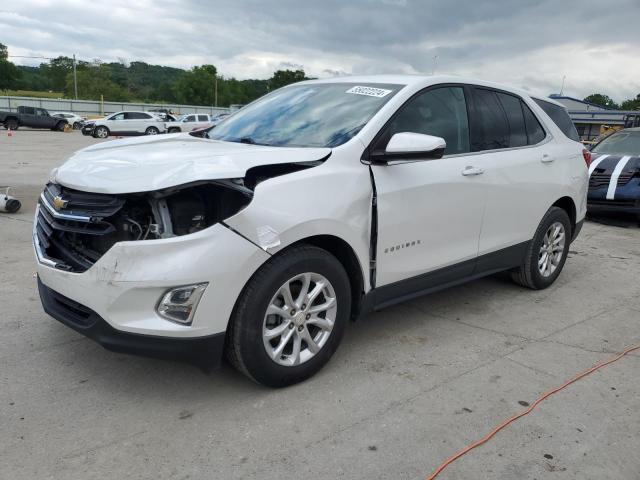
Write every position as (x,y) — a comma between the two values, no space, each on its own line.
(31,93)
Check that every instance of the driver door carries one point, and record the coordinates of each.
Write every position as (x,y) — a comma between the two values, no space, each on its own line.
(429,210)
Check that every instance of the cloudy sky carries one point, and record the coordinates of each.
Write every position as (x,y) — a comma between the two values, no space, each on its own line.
(526,43)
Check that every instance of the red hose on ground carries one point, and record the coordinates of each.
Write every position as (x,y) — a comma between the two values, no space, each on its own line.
(487,437)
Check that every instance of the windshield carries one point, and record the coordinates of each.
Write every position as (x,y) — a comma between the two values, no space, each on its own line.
(311,115)
(621,142)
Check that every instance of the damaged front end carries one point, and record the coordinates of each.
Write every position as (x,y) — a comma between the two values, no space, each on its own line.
(73,229)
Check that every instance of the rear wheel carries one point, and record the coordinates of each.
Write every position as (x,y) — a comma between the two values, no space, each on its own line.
(290,317)
(77,126)
(101,132)
(174,130)
(11,123)
(60,126)
(547,252)
(151,131)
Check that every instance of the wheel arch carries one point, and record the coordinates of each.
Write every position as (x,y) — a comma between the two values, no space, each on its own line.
(569,206)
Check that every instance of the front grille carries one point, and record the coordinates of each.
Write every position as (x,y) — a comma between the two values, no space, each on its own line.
(599,180)
(66,218)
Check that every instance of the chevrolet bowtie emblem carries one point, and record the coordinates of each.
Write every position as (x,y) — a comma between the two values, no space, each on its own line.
(59,203)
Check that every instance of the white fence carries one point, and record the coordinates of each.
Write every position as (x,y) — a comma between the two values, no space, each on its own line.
(95,108)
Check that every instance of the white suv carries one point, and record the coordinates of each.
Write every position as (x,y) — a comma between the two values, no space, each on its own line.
(125,123)
(187,123)
(315,204)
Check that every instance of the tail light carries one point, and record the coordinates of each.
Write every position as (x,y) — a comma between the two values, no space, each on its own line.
(586,154)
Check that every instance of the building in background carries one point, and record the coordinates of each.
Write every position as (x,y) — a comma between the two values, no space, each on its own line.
(593,120)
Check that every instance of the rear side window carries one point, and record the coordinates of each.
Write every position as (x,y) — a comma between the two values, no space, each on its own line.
(491,128)
(535,132)
(202,118)
(137,116)
(515,119)
(503,120)
(560,117)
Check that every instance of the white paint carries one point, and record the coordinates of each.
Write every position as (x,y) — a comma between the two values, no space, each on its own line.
(613,183)
(595,163)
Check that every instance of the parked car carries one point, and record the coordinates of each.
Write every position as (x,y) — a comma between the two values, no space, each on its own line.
(76,121)
(125,123)
(189,122)
(614,175)
(33,117)
(315,204)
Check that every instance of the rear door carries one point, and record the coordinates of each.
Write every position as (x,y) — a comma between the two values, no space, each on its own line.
(521,166)
(28,117)
(429,211)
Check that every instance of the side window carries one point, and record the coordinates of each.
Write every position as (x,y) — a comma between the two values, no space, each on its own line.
(117,116)
(29,111)
(41,113)
(441,112)
(515,119)
(560,117)
(535,132)
(190,118)
(144,116)
(491,129)
(203,118)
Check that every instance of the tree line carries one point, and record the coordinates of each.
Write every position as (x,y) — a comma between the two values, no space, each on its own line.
(607,102)
(139,81)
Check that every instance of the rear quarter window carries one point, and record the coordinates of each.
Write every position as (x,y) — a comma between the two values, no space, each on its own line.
(560,117)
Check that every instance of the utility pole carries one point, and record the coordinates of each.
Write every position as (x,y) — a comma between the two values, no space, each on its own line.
(215,95)
(75,78)
(562,87)
(435,63)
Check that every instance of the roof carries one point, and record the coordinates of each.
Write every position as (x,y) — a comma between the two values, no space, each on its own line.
(419,81)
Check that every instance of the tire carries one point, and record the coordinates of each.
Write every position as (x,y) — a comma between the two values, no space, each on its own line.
(60,126)
(151,131)
(77,126)
(101,132)
(11,123)
(534,273)
(174,130)
(247,344)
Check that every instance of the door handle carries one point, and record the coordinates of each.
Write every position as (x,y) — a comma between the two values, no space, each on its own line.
(547,158)
(469,171)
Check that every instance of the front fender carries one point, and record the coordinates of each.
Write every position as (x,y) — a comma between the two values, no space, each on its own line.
(330,199)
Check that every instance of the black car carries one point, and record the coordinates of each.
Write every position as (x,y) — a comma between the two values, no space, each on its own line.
(614,174)
(33,117)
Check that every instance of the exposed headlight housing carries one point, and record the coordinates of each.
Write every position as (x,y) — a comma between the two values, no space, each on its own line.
(179,304)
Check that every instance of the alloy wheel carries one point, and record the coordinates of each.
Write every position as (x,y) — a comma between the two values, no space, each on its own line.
(299,319)
(552,249)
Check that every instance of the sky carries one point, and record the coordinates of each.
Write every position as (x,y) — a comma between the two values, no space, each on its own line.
(523,43)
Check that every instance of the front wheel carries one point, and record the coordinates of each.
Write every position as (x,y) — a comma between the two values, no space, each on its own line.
(60,126)
(290,317)
(77,126)
(101,132)
(151,131)
(547,252)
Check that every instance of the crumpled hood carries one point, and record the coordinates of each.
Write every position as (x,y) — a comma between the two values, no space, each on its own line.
(150,163)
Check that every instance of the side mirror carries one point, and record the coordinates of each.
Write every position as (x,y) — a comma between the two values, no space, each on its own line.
(416,146)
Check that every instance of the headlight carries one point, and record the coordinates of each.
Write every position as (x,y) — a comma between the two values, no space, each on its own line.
(179,304)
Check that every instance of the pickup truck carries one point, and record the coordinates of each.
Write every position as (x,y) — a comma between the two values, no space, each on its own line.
(33,117)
